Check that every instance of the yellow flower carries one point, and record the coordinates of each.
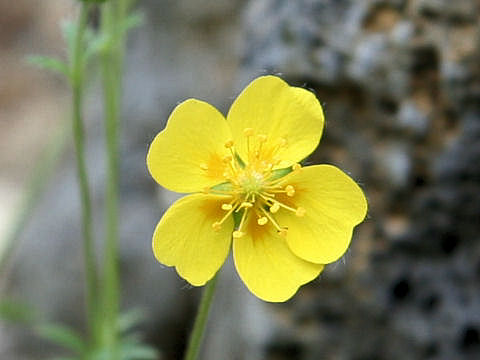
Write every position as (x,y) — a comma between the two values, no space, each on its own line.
(285,221)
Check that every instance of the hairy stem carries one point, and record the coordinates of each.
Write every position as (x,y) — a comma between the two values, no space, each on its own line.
(113,16)
(77,72)
(201,320)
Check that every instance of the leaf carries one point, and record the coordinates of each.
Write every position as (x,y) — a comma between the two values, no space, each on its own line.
(63,336)
(129,320)
(48,63)
(138,352)
(133,20)
(16,312)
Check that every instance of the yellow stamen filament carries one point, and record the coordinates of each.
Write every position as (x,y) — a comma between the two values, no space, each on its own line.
(218,224)
(272,220)
(239,233)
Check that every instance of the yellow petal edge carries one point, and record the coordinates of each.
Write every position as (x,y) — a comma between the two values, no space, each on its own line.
(184,238)
(283,113)
(334,204)
(187,155)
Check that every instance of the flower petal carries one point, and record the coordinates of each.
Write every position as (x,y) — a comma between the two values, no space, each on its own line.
(184,237)
(334,204)
(267,266)
(187,155)
(283,113)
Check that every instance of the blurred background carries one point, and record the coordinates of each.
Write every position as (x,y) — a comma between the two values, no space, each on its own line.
(400,84)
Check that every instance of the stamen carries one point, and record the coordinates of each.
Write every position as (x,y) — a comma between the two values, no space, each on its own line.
(275,207)
(245,204)
(261,138)
(290,190)
(248,132)
(262,220)
(227,206)
(296,167)
(206,190)
(229,144)
(203,166)
(272,220)
(217,224)
(238,234)
(227,158)
(282,232)
(300,212)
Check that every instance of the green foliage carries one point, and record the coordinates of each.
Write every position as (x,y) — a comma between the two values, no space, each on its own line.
(16,312)
(48,63)
(129,320)
(93,1)
(133,20)
(63,336)
(130,346)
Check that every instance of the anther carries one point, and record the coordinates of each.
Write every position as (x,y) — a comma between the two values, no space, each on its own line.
(203,166)
(206,190)
(300,212)
(262,138)
(227,206)
(283,142)
(262,221)
(216,226)
(227,158)
(296,167)
(274,208)
(229,144)
(238,234)
(290,190)
(246,204)
(248,131)
(282,232)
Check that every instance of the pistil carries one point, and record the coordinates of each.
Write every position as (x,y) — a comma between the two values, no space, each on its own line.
(250,187)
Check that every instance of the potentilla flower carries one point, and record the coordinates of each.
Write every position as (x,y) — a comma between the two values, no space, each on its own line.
(285,221)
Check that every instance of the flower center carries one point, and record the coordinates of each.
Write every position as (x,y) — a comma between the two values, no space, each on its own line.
(252,189)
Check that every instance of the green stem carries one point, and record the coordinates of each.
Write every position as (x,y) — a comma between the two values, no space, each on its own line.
(113,15)
(201,320)
(77,83)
